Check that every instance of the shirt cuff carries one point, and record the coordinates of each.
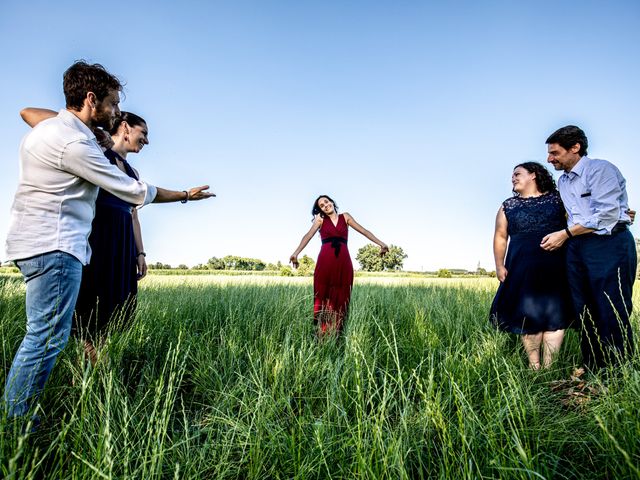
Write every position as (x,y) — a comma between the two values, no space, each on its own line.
(600,225)
(150,195)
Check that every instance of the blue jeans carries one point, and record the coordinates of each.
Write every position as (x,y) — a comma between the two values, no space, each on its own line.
(53,282)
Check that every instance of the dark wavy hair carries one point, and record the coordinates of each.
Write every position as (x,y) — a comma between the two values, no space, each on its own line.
(544,180)
(316,209)
(131,118)
(82,78)
(568,136)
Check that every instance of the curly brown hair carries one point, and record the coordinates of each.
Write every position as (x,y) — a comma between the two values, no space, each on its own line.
(544,180)
(82,78)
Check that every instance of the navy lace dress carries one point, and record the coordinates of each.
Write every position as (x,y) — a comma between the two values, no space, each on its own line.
(109,283)
(535,295)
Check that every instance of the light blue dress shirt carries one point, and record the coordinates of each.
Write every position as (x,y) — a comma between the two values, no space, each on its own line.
(61,168)
(594,195)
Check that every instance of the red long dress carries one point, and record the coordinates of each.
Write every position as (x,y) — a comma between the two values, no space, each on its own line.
(333,277)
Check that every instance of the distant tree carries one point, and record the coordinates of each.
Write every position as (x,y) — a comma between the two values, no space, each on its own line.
(370,260)
(444,273)
(182,266)
(200,266)
(215,263)
(256,264)
(230,262)
(394,259)
(481,271)
(251,264)
(460,271)
(306,266)
(234,262)
(286,271)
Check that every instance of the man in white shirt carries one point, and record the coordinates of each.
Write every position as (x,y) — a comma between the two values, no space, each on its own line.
(61,168)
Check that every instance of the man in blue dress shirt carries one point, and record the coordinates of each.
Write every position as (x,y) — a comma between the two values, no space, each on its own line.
(601,254)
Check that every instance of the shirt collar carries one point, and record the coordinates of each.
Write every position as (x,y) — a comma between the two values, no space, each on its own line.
(578,168)
(71,119)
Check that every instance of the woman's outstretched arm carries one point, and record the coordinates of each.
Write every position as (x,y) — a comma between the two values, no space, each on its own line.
(317,223)
(500,238)
(196,193)
(360,229)
(33,116)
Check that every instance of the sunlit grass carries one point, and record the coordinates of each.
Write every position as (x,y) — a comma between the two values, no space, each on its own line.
(222,377)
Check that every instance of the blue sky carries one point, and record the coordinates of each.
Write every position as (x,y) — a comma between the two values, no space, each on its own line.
(411,115)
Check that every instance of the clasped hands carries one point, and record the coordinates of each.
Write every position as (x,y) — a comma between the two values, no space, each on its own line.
(554,241)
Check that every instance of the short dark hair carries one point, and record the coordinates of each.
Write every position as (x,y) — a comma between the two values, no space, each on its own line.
(316,209)
(568,136)
(544,180)
(131,118)
(82,78)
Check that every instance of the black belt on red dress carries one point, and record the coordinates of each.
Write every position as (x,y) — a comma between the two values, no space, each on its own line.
(335,243)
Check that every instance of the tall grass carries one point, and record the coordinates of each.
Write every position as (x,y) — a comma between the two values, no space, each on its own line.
(224,378)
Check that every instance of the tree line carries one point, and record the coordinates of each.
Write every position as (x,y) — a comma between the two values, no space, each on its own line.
(368,257)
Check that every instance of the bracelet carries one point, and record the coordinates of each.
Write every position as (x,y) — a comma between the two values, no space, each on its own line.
(186,198)
(141,253)
(568,232)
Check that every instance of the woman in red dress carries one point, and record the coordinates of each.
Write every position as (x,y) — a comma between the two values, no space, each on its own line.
(333,276)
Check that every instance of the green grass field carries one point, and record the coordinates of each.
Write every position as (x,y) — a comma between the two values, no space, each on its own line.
(222,377)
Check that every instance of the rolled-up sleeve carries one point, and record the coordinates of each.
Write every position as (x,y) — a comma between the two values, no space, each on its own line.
(604,201)
(85,159)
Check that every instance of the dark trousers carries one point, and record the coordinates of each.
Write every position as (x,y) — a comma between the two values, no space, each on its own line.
(601,271)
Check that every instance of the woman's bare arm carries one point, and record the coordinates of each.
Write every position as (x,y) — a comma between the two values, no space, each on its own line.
(196,193)
(363,231)
(141,260)
(500,238)
(317,223)
(33,116)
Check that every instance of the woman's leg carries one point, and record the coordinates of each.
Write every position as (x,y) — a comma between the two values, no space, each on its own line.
(90,353)
(551,342)
(532,342)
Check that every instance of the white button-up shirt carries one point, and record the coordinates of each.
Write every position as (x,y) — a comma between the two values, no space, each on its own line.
(594,195)
(61,168)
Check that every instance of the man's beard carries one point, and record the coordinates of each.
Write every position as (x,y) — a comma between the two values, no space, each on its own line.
(103,120)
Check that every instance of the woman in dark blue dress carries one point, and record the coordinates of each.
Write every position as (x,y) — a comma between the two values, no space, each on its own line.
(533,297)
(110,281)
